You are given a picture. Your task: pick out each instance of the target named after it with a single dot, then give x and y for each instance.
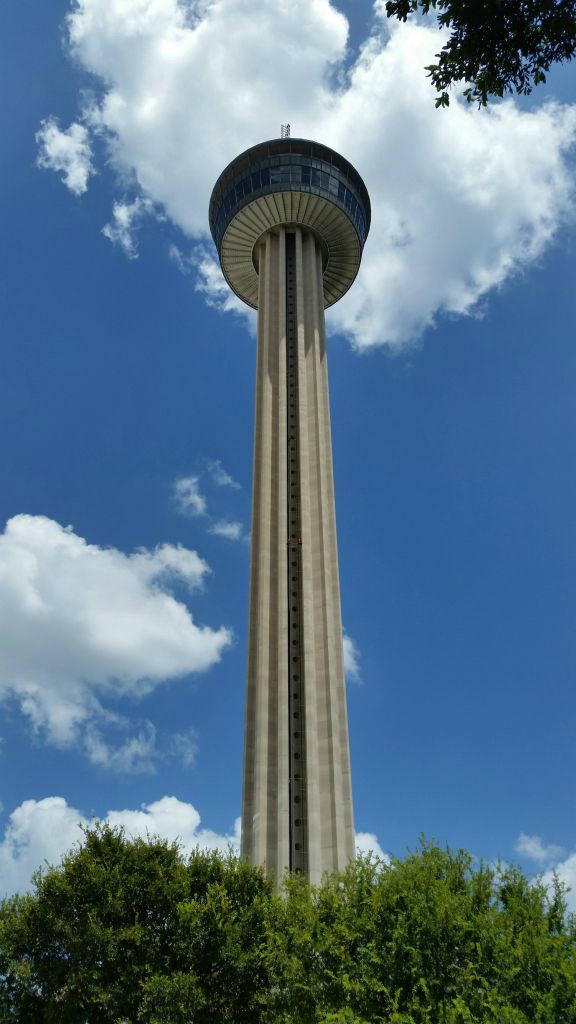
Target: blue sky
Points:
(125, 369)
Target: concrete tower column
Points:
(297, 803)
(289, 218)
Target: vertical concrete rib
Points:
(281, 640)
(333, 843)
(256, 733)
(265, 799)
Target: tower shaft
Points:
(297, 799)
(289, 218)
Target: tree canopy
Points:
(129, 931)
(496, 46)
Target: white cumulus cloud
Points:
(183, 262)
(185, 747)
(351, 659)
(547, 855)
(533, 848)
(189, 498)
(41, 831)
(191, 501)
(126, 218)
(224, 528)
(137, 755)
(367, 842)
(220, 476)
(82, 626)
(566, 871)
(211, 284)
(69, 152)
(461, 199)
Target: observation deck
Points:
(289, 182)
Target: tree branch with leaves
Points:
(495, 46)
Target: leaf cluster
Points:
(129, 931)
(496, 46)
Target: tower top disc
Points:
(289, 182)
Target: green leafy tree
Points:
(431, 939)
(129, 931)
(496, 46)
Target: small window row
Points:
(303, 175)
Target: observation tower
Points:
(289, 218)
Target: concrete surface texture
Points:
(297, 799)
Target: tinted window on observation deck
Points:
(307, 177)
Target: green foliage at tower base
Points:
(129, 931)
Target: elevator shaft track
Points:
(297, 745)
